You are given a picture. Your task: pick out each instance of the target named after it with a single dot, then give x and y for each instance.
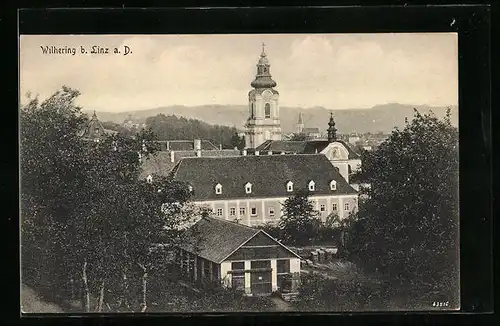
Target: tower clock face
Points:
(267, 95)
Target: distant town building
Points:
(94, 130)
(263, 122)
(240, 257)
(251, 189)
(310, 133)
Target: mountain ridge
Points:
(379, 118)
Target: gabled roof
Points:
(314, 146)
(160, 163)
(268, 175)
(94, 129)
(216, 239)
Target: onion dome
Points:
(332, 131)
(263, 78)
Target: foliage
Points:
(86, 213)
(179, 128)
(318, 292)
(120, 129)
(408, 226)
(237, 141)
(299, 221)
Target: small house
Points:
(239, 256)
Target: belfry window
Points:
(267, 110)
(252, 110)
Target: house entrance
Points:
(261, 277)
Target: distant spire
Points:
(300, 118)
(94, 116)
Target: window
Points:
(242, 211)
(283, 266)
(252, 114)
(149, 179)
(267, 110)
(333, 185)
(219, 211)
(232, 211)
(311, 185)
(322, 208)
(271, 211)
(334, 207)
(346, 206)
(254, 211)
(248, 188)
(289, 186)
(218, 189)
(238, 275)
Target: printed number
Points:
(440, 303)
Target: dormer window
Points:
(218, 189)
(190, 188)
(149, 178)
(333, 185)
(289, 186)
(311, 185)
(248, 188)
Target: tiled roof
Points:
(160, 163)
(268, 175)
(287, 146)
(184, 145)
(302, 147)
(215, 239)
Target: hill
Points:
(380, 118)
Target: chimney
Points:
(270, 153)
(198, 153)
(235, 148)
(172, 156)
(244, 152)
(197, 144)
(256, 153)
(282, 153)
(168, 145)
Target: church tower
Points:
(332, 131)
(263, 121)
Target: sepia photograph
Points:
(202, 173)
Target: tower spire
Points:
(263, 54)
(332, 131)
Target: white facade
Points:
(263, 122)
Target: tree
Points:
(299, 222)
(86, 213)
(408, 227)
(237, 141)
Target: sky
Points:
(335, 71)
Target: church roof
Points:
(268, 175)
(303, 147)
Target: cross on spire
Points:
(263, 48)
